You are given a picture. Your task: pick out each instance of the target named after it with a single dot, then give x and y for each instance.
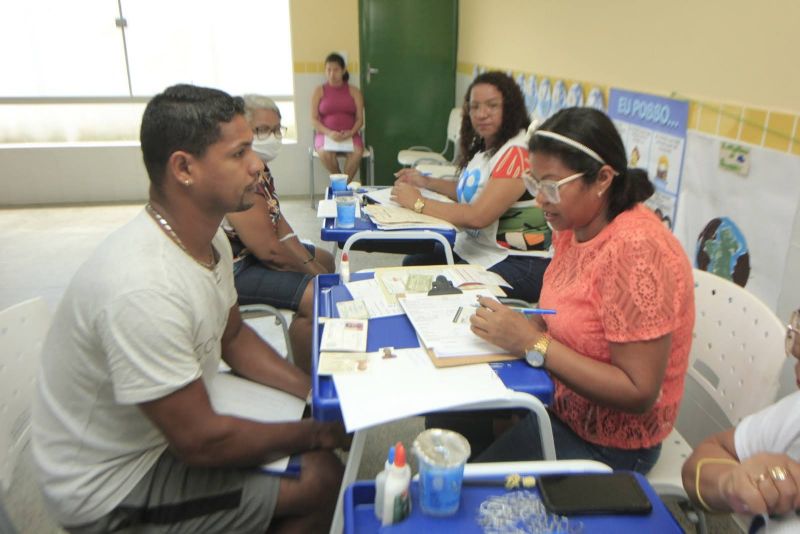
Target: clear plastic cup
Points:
(345, 211)
(441, 455)
(339, 182)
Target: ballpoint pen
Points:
(535, 311)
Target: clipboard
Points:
(454, 361)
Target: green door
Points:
(408, 75)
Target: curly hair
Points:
(515, 117)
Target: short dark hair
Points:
(183, 117)
(593, 129)
(333, 57)
(515, 116)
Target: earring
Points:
(187, 183)
(600, 193)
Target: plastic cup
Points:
(339, 182)
(441, 455)
(345, 211)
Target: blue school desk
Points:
(386, 239)
(360, 517)
(397, 332)
(532, 388)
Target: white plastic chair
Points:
(736, 358)
(22, 331)
(414, 155)
(368, 155)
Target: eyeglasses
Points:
(262, 132)
(792, 331)
(492, 107)
(548, 188)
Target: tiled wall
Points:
(766, 128)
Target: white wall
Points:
(114, 172)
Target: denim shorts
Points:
(257, 284)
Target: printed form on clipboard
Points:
(442, 325)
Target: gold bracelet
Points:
(700, 464)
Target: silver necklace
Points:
(165, 226)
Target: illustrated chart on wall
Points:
(736, 220)
(653, 129)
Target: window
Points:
(99, 61)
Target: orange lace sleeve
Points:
(639, 285)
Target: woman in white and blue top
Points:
(500, 225)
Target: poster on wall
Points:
(738, 225)
(653, 129)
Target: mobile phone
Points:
(593, 493)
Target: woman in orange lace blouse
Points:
(618, 346)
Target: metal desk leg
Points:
(350, 474)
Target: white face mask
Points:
(267, 149)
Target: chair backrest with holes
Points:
(22, 331)
(738, 347)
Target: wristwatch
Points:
(419, 204)
(536, 355)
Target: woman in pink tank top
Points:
(337, 112)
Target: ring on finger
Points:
(778, 473)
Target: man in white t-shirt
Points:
(754, 469)
(124, 435)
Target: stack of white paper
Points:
(442, 323)
(397, 218)
(410, 384)
(231, 395)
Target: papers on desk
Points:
(377, 301)
(442, 324)
(397, 218)
(231, 395)
(344, 335)
(331, 145)
(383, 196)
(409, 385)
(326, 209)
(377, 297)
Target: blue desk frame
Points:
(330, 232)
(396, 332)
(360, 517)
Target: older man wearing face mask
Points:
(271, 265)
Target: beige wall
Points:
(736, 51)
(322, 26)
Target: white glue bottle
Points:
(380, 483)
(344, 268)
(396, 499)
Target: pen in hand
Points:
(535, 311)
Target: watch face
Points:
(534, 358)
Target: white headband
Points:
(574, 144)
